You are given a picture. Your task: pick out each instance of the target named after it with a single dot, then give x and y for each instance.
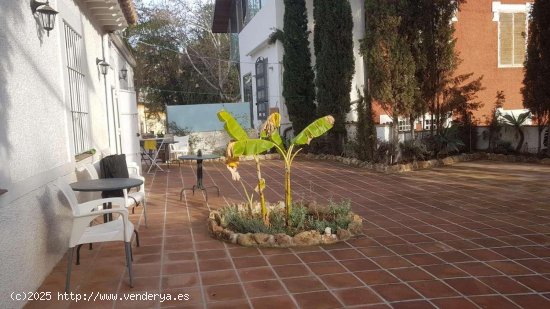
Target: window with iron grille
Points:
(77, 96)
(262, 101)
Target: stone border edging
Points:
(262, 240)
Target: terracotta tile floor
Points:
(474, 235)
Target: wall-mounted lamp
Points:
(46, 14)
(123, 73)
(103, 66)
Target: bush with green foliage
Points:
(386, 152)
(413, 150)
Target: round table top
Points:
(203, 157)
(105, 184)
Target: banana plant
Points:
(270, 138)
(517, 122)
(237, 133)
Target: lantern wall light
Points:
(45, 13)
(102, 65)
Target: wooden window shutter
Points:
(506, 39)
(520, 36)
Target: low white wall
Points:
(507, 134)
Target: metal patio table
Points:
(199, 185)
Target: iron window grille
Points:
(262, 101)
(77, 91)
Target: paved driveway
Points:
(474, 235)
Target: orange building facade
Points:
(491, 41)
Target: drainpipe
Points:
(106, 93)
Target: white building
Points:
(56, 105)
(261, 64)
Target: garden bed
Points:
(309, 225)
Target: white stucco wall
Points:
(508, 134)
(253, 44)
(36, 138)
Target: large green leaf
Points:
(313, 130)
(276, 138)
(512, 120)
(232, 126)
(250, 147)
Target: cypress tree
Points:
(365, 135)
(436, 56)
(390, 62)
(298, 88)
(536, 83)
(334, 64)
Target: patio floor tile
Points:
(318, 300)
(357, 296)
(264, 288)
(411, 274)
(255, 274)
(396, 292)
(275, 302)
(467, 236)
(469, 286)
(433, 289)
(454, 303)
(493, 302)
(339, 281)
(303, 284)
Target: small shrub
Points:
(503, 147)
(341, 213)
(413, 150)
(385, 151)
(298, 217)
(338, 216)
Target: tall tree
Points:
(179, 59)
(365, 134)
(536, 83)
(390, 62)
(334, 64)
(298, 87)
(435, 51)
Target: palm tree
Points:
(516, 123)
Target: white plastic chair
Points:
(180, 148)
(132, 198)
(82, 233)
(135, 198)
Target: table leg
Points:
(107, 217)
(199, 185)
(199, 174)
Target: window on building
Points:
(252, 8)
(247, 88)
(262, 100)
(428, 124)
(77, 97)
(512, 39)
(404, 125)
